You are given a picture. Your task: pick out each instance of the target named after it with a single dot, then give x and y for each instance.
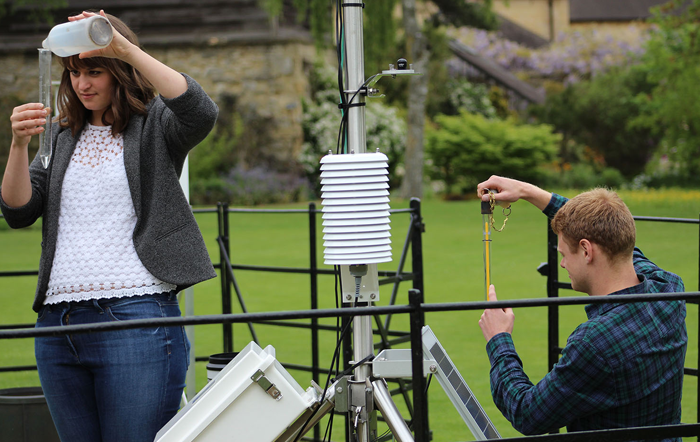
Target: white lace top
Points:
(95, 255)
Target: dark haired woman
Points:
(119, 238)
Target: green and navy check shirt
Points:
(621, 368)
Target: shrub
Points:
(385, 130)
(469, 97)
(583, 176)
(252, 187)
(466, 149)
(215, 154)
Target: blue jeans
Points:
(120, 386)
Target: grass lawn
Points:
(453, 269)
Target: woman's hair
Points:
(131, 93)
(601, 217)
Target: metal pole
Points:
(420, 403)
(417, 245)
(190, 378)
(347, 358)
(391, 414)
(313, 265)
(362, 325)
(222, 212)
(355, 70)
(552, 292)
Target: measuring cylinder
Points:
(45, 99)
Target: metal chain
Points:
(492, 203)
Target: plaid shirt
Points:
(621, 368)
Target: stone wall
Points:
(263, 84)
(535, 15)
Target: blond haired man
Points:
(621, 368)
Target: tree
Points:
(672, 61)
(418, 50)
(599, 113)
(455, 12)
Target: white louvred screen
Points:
(355, 199)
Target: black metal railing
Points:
(230, 286)
(416, 309)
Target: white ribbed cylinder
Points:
(355, 203)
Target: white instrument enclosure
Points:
(232, 405)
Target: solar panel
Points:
(457, 389)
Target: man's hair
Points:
(601, 217)
(131, 94)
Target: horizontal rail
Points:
(392, 276)
(576, 300)
(241, 210)
(638, 218)
(617, 434)
(18, 368)
(20, 273)
(343, 312)
(667, 220)
(400, 334)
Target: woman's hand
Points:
(28, 120)
(119, 48)
(168, 82)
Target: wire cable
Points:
(340, 336)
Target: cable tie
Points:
(349, 370)
(354, 5)
(346, 106)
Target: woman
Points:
(119, 238)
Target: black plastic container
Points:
(217, 363)
(25, 417)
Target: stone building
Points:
(253, 68)
(547, 18)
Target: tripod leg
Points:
(393, 418)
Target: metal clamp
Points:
(270, 388)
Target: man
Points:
(621, 368)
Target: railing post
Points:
(222, 215)
(417, 245)
(552, 292)
(313, 273)
(420, 398)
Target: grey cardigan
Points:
(166, 237)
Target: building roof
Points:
(162, 22)
(514, 32)
(611, 10)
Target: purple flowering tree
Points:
(572, 57)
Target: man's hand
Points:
(510, 190)
(496, 320)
